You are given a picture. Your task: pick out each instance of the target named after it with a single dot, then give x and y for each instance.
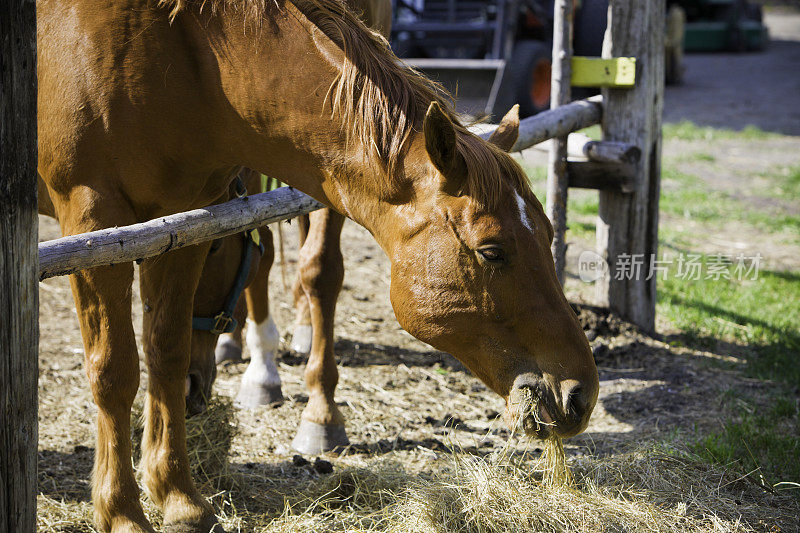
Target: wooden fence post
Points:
(627, 229)
(19, 297)
(560, 94)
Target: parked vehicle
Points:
(495, 53)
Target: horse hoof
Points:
(205, 525)
(227, 350)
(301, 339)
(255, 394)
(314, 439)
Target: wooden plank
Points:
(612, 152)
(628, 223)
(557, 179)
(617, 72)
(613, 176)
(154, 237)
(19, 291)
(554, 123)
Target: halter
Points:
(224, 322)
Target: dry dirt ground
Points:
(404, 402)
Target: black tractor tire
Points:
(590, 28)
(529, 73)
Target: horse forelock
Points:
(490, 170)
(381, 101)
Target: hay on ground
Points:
(208, 440)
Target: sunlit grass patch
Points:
(689, 131)
(688, 197)
(761, 313)
(786, 181)
(581, 230)
(766, 446)
(593, 132)
(685, 196)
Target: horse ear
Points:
(440, 142)
(506, 134)
(440, 139)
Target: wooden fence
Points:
(19, 291)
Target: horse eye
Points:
(493, 254)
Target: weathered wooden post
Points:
(19, 300)
(560, 94)
(627, 229)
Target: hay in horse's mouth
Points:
(529, 413)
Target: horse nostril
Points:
(573, 400)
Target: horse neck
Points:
(277, 81)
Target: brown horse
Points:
(148, 108)
(321, 256)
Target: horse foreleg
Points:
(168, 283)
(301, 337)
(321, 274)
(261, 384)
(103, 299)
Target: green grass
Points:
(703, 156)
(786, 182)
(689, 131)
(766, 446)
(694, 157)
(685, 196)
(688, 197)
(582, 230)
(763, 314)
(593, 132)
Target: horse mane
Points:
(381, 101)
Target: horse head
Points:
(473, 275)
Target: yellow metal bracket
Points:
(255, 236)
(619, 72)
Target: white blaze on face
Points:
(263, 341)
(523, 213)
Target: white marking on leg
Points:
(523, 213)
(227, 349)
(227, 338)
(301, 339)
(262, 343)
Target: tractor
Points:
(494, 53)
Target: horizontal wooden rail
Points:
(556, 122)
(154, 237)
(612, 152)
(601, 176)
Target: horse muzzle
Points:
(540, 408)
